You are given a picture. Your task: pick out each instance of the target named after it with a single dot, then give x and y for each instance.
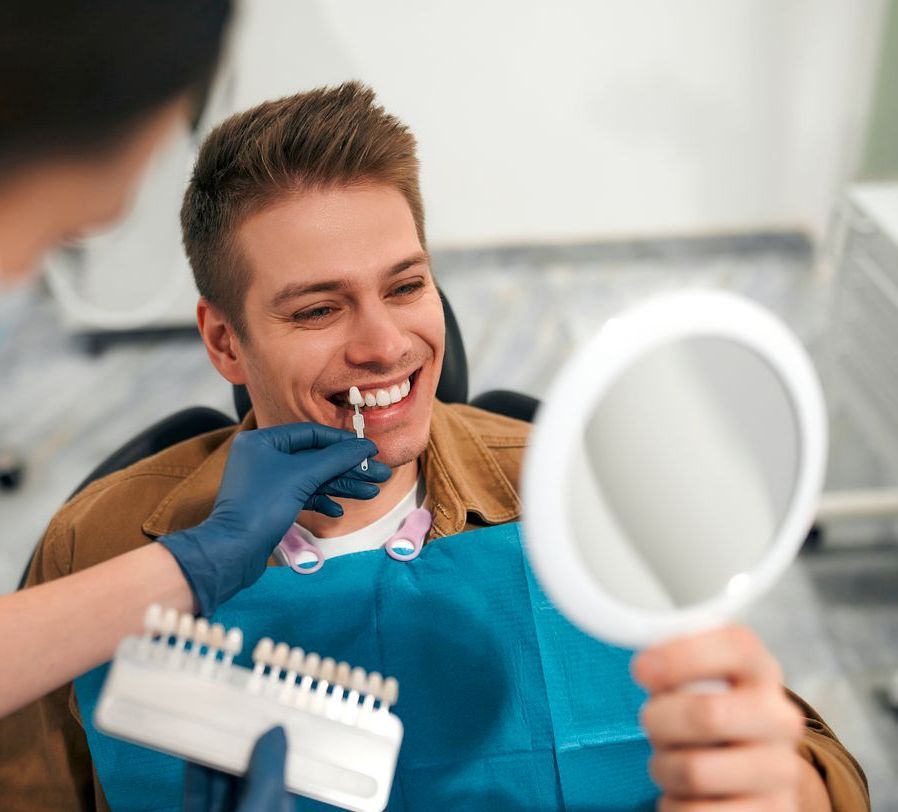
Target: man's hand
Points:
(730, 750)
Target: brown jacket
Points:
(471, 469)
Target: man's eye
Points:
(315, 314)
(409, 287)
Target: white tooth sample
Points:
(355, 397)
(395, 396)
(370, 399)
(405, 387)
(383, 397)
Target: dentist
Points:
(88, 91)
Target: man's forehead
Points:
(330, 239)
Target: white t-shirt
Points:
(375, 534)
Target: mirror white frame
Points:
(560, 425)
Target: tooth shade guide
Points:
(214, 719)
(358, 423)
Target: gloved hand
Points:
(260, 790)
(271, 475)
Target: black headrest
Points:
(453, 385)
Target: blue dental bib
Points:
(505, 704)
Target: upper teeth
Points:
(379, 397)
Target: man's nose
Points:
(377, 339)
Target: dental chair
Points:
(187, 423)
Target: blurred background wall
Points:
(583, 120)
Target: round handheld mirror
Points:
(674, 468)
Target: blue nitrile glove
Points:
(260, 790)
(271, 475)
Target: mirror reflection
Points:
(706, 428)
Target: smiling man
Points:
(341, 296)
(305, 229)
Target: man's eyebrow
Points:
(292, 291)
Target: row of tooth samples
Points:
(177, 630)
(317, 683)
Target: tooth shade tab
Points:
(200, 632)
(185, 626)
(234, 642)
(263, 651)
(280, 655)
(355, 397)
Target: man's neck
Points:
(359, 513)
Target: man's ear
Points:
(221, 342)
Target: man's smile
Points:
(393, 401)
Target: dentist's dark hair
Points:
(76, 76)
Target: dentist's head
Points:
(88, 90)
(304, 226)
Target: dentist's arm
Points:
(55, 631)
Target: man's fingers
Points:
(745, 714)
(693, 773)
(732, 652)
(780, 802)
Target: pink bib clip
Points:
(412, 534)
(292, 544)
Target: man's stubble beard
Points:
(404, 452)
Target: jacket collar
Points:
(461, 472)
(190, 501)
(463, 476)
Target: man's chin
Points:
(395, 455)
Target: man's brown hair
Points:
(316, 140)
